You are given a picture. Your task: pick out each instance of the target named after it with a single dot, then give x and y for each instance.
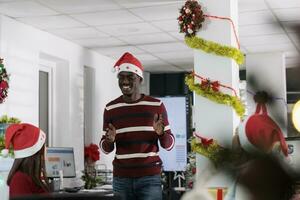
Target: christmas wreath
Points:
(190, 21)
(4, 79)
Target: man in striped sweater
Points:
(134, 123)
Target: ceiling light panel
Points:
(161, 12)
(258, 17)
(188, 54)
(251, 5)
(119, 50)
(291, 14)
(295, 38)
(80, 6)
(25, 9)
(265, 39)
(128, 29)
(147, 39)
(184, 64)
(164, 47)
(99, 42)
(283, 4)
(177, 35)
(146, 57)
(107, 18)
(162, 69)
(146, 3)
(167, 25)
(295, 61)
(271, 48)
(78, 33)
(291, 27)
(52, 22)
(262, 29)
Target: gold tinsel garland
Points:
(217, 97)
(212, 47)
(214, 151)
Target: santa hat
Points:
(26, 140)
(260, 132)
(128, 63)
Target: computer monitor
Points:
(60, 159)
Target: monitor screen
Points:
(176, 159)
(60, 159)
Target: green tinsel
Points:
(215, 48)
(217, 97)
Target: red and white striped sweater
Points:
(136, 141)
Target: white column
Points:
(212, 120)
(267, 70)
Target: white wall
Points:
(23, 47)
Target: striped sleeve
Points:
(104, 145)
(166, 140)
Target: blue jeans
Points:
(142, 188)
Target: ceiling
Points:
(149, 30)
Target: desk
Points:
(81, 195)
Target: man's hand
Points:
(158, 124)
(110, 133)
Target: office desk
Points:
(81, 195)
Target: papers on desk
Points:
(105, 187)
(92, 190)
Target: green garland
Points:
(217, 97)
(213, 47)
(214, 151)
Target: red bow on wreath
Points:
(214, 85)
(92, 152)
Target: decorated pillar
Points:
(215, 81)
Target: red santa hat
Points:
(128, 63)
(26, 140)
(260, 132)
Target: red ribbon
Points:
(205, 141)
(226, 18)
(215, 85)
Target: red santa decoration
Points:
(260, 131)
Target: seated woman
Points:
(27, 175)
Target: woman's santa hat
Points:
(26, 140)
(128, 63)
(260, 131)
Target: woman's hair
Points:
(33, 166)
